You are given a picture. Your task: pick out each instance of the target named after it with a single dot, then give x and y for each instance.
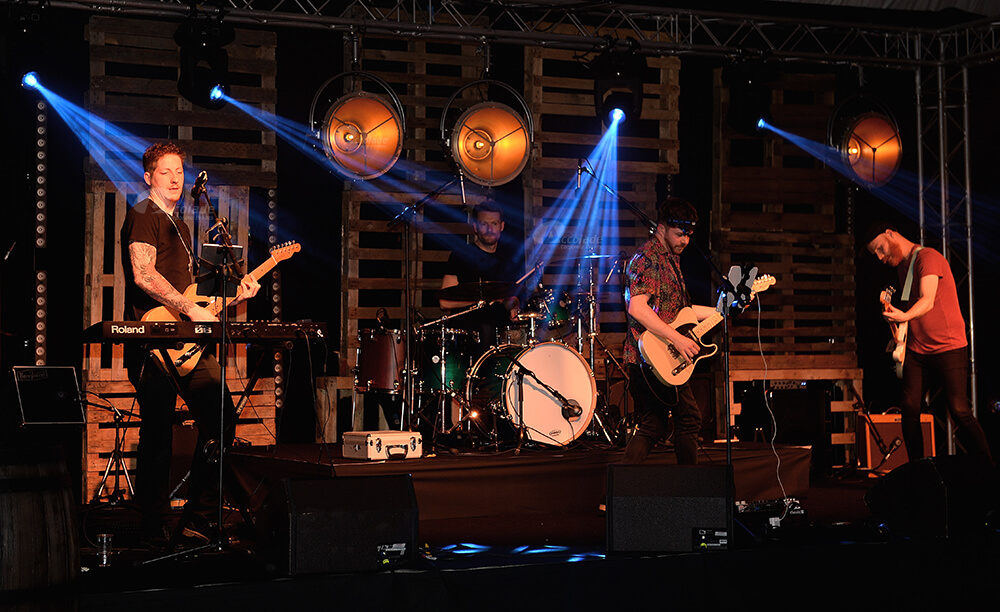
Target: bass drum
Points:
(492, 384)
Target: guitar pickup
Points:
(680, 368)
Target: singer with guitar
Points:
(936, 345)
(158, 260)
(654, 295)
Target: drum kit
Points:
(528, 384)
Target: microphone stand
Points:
(570, 408)
(405, 217)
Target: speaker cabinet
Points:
(934, 497)
(340, 524)
(889, 427)
(668, 508)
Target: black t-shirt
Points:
(472, 264)
(169, 235)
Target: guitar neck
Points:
(706, 326)
(217, 305)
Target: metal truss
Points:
(589, 25)
(945, 190)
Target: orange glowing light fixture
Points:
(867, 136)
(871, 146)
(362, 133)
(490, 142)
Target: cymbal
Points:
(583, 258)
(482, 290)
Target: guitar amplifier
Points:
(382, 445)
(890, 428)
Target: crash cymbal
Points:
(482, 290)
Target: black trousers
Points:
(949, 369)
(156, 393)
(655, 403)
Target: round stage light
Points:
(363, 135)
(491, 143)
(30, 81)
(872, 149)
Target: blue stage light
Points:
(216, 93)
(30, 81)
(617, 115)
(761, 124)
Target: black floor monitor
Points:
(49, 395)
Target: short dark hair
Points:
(488, 205)
(677, 212)
(153, 154)
(875, 229)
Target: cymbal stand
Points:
(405, 217)
(116, 460)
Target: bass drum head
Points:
(565, 370)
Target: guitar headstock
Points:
(762, 283)
(885, 298)
(286, 250)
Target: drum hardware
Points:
(481, 291)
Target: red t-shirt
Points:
(943, 327)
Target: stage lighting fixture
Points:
(30, 81)
(490, 142)
(204, 63)
(362, 133)
(865, 133)
(618, 77)
(749, 95)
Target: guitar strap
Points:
(908, 285)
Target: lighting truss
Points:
(574, 25)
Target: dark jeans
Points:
(156, 393)
(654, 404)
(950, 369)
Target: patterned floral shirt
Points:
(656, 272)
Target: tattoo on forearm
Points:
(143, 257)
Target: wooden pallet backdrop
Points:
(777, 211)
(133, 84)
(564, 107)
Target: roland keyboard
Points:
(190, 331)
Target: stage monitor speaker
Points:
(668, 508)
(340, 524)
(934, 497)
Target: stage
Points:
(527, 530)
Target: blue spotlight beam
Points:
(902, 193)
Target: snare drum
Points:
(444, 360)
(381, 360)
(492, 384)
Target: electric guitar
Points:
(184, 359)
(897, 345)
(668, 364)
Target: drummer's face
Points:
(489, 226)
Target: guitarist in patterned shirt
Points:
(654, 295)
(936, 345)
(158, 261)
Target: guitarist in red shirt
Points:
(654, 295)
(936, 344)
(158, 261)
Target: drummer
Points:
(487, 258)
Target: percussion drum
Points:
(492, 384)
(444, 358)
(381, 360)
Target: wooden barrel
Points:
(39, 540)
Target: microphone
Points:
(199, 184)
(579, 171)
(461, 182)
(895, 444)
(571, 408)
